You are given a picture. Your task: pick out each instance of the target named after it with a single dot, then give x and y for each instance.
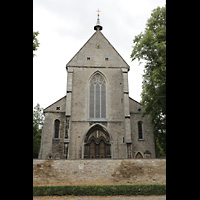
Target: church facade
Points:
(96, 119)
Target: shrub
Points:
(100, 190)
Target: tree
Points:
(38, 121)
(151, 47)
(35, 41)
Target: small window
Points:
(58, 108)
(129, 150)
(56, 127)
(140, 135)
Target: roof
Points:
(59, 103)
(134, 106)
(135, 101)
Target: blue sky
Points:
(66, 25)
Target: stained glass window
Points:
(140, 135)
(91, 100)
(97, 101)
(97, 97)
(103, 101)
(56, 126)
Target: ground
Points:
(88, 183)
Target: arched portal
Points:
(97, 143)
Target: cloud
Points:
(66, 25)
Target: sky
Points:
(64, 26)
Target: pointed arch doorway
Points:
(97, 143)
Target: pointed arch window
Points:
(97, 97)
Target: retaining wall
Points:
(104, 171)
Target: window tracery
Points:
(97, 97)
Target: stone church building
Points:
(96, 119)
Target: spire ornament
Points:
(98, 20)
(98, 25)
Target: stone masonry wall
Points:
(126, 171)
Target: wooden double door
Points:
(97, 144)
(97, 150)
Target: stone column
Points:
(68, 107)
(126, 111)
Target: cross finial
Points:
(98, 12)
(98, 20)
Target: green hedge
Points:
(99, 190)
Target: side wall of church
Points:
(52, 147)
(49, 146)
(147, 143)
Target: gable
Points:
(97, 52)
(53, 107)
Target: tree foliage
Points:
(35, 41)
(38, 121)
(151, 47)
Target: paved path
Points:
(102, 198)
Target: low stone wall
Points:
(105, 171)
